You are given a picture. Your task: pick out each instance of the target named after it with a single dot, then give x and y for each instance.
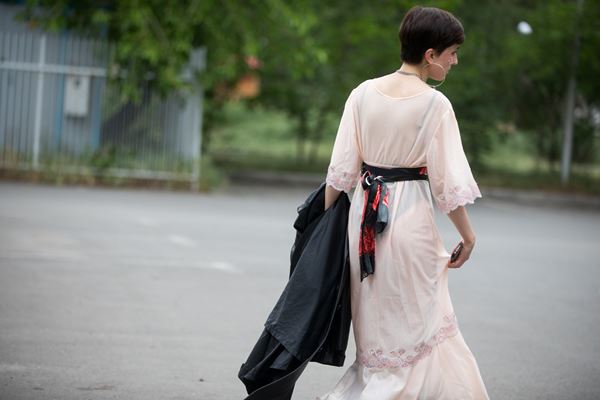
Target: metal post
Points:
(60, 103)
(38, 103)
(197, 62)
(196, 142)
(567, 148)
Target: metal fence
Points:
(60, 112)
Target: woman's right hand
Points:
(464, 255)
(460, 219)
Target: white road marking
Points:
(225, 266)
(146, 221)
(180, 240)
(4, 367)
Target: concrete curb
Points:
(277, 178)
(540, 198)
(531, 197)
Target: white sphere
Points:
(524, 28)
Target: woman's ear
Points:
(429, 55)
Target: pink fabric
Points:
(403, 358)
(409, 345)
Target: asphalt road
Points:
(134, 294)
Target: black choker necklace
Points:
(408, 73)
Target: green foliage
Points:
(153, 39)
(211, 176)
(104, 158)
(260, 138)
(531, 71)
(313, 53)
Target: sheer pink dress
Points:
(408, 342)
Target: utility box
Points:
(77, 95)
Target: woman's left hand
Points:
(464, 255)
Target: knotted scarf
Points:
(375, 211)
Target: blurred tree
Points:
(507, 79)
(477, 85)
(309, 75)
(310, 54)
(153, 39)
(534, 72)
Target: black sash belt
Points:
(375, 211)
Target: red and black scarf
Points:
(375, 211)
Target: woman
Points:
(399, 143)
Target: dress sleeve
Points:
(346, 157)
(452, 183)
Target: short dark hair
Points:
(425, 28)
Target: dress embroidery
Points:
(340, 180)
(403, 358)
(457, 196)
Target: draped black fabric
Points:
(311, 319)
(375, 211)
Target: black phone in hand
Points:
(456, 252)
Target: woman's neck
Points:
(414, 69)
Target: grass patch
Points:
(261, 139)
(512, 164)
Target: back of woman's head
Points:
(425, 28)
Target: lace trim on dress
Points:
(457, 196)
(340, 180)
(403, 358)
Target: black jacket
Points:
(311, 320)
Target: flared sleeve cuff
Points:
(340, 180)
(450, 177)
(456, 196)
